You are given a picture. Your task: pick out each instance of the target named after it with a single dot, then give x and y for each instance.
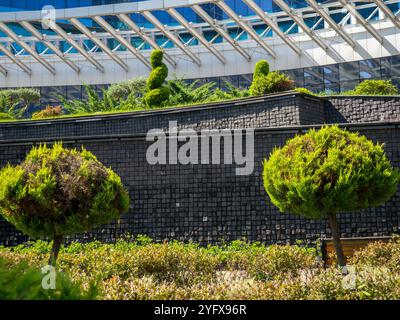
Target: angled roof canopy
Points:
(224, 29)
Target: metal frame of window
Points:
(121, 40)
(249, 29)
(42, 38)
(388, 13)
(81, 27)
(269, 22)
(133, 26)
(56, 28)
(26, 47)
(152, 19)
(247, 24)
(360, 19)
(327, 18)
(300, 22)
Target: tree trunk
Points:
(336, 239)
(55, 249)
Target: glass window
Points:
(331, 74)
(74, 92)
(297, 75)
(245, 80)
(395, 66)
(51, 95)
(370, 69)
(233, 80)
(313, 76)
(332, 88)
(316, 88)
(386, 72)
(349, 71)
(348, 85)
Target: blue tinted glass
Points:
(349, 71)
(370, 69)
(331, 74)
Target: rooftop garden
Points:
(156, 92)
(57, 192)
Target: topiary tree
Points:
(156, 92)
(56, 192)
(265, 82)
(326, 172)
(261, 69)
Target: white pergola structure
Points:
(238, 42)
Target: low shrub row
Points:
(141, 269)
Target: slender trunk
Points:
(54, 250)
(336, 239)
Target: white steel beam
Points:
(272, 24)
(10, 55)
(221, 31)
(79, 25)
(28, 26)
(3, 71)
(388, 13)
(153, 20)
(27, 48)
(360, 19)
(300, 22)
(328, 19)
(133, 26)
(56, 28)
(178, 17)
(122, 40)
(249, 30)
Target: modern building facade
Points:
(59, 45)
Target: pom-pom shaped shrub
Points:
(57, 191)
(271, 83)
(329, 171)
(376, 87)
(156, 92)
(261, 69)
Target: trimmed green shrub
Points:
(140, 269)
(273, 82)
(21, 282)
(261, 69)
(329, 171)
(48, 112)
(376, 87)
(304, 91)
(157, 93)
(57, 192)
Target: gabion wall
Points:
(209, 203)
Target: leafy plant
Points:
(48, 112)
(21, 282)
(272, 83)
(58, 191)
(123, 90)
(157, 93)
(376, 87)
(265, 82)
(329, 171)
(6, 116)
(15, 102)
(304, 91)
